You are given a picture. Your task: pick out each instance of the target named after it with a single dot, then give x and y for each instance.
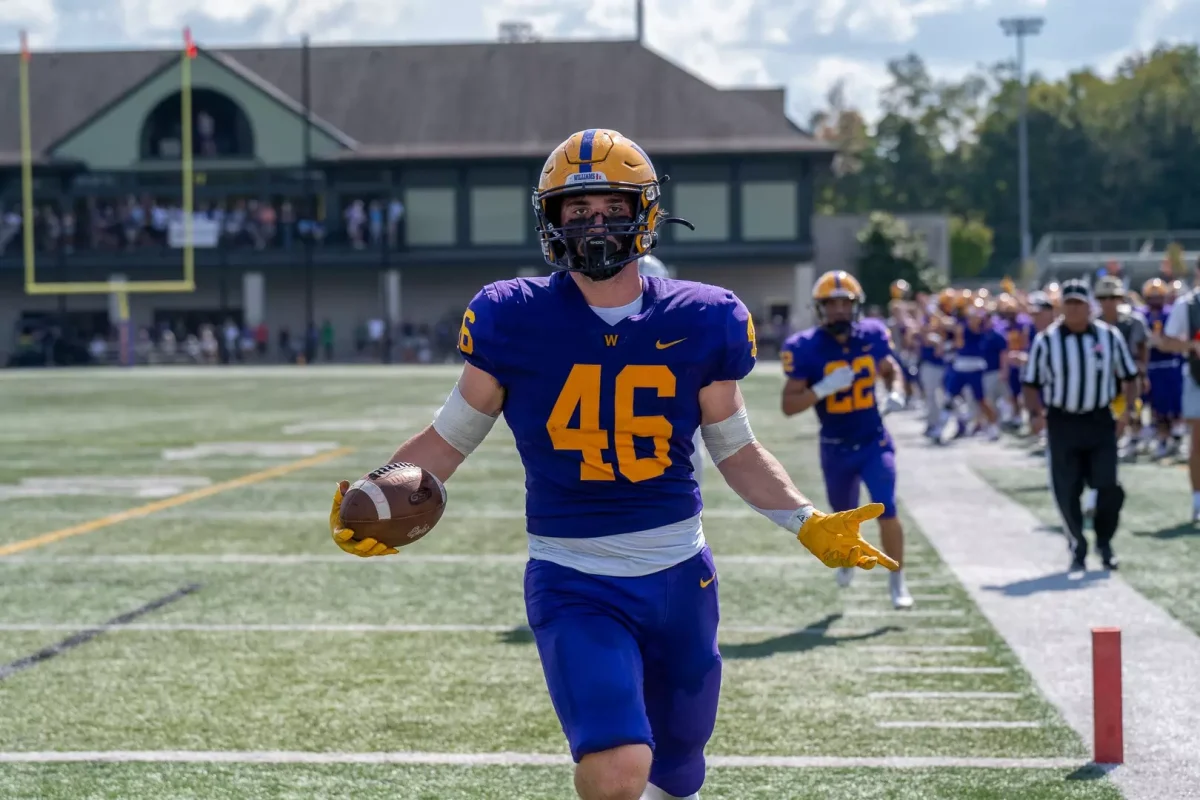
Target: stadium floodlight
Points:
(120, 288)
(1021, 27)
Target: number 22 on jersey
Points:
(861, 393)
(582, 391)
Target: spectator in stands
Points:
(327, 339)
(312, 338)
(360, 339)
(395, 215)
(10, 226)
(232, 336)
(375, 223)
(98, 349)
(287, 223)
(285, 345)
(356, 220)
(261, 339)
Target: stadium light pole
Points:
(1021, 27)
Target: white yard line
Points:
(900, 670)
(945, 695)
(348, 628)
(1015, 574)
(917, 596)
(914, 614)
(964, 725)
(921, 648)
(511, 759)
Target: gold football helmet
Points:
(1155, 291)
(598, 161)
(833, 285)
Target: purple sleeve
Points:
(739, 351)
(478, 338)
(881, 341)
(791, 358)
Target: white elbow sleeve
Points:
(726, 437)
(463, 427)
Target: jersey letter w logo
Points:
(610, 339)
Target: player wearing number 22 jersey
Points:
(604, 376)
(833, 368)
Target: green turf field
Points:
(238, 626)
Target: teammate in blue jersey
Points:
(934, 341)
(833, 368)
(1164, 371)
(604, 376)
(1018, 330)
(977, 346)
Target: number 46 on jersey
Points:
(582, 391)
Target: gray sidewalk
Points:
(1016, 574)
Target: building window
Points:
(705, 205)
(499, 215)
(769, 211)
(429, 216)
(220, 128)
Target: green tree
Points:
(890, 250)
(1118, 151)
(970, 247)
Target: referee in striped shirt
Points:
(1074, 370)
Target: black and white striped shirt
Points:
(1079, 372)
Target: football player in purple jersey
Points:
(604, 376)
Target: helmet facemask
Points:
(838, 327)
(599, 250)
(596, 246)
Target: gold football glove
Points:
(835, 540)
(344, 537)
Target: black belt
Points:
(1058, 413)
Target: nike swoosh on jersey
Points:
(705, 583)
(661, 346)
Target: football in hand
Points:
(396, 504)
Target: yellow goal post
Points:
(122, 289)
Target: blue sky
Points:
(805, 45)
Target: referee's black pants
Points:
(1082, 449)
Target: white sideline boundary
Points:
(509, 759)
(1016, 576)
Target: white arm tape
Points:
(463, 427)
(788, 520)
(726, 437)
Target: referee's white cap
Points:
(1077, 290)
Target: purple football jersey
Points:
(605, 416)
(851, 415)
(1156, 320)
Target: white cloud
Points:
(37, 17)
(862, 81)
(1151, 24)
(803, 44)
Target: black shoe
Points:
(1078, 564)
(1108, 558)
